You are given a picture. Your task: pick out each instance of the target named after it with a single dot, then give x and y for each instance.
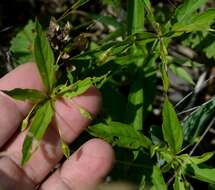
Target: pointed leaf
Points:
(157, 179)
(39, 124)
(22, 45)
(32, 95)
(182, 73)
(80, 86)
(186, 10)
(202, 173)
(65, 149)
(203, 158)
(172, 130)
(85, 113)
(135, 105)
(179, 184)
(135, 17)
(44, 58)
(195, 123)
(200, 22)
(120, 134)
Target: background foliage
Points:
(154, 64)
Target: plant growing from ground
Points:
(134, 62)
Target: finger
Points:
(85, 169)
(12, 112)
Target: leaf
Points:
(182, 73)
(81, 86)
(65, 148)
(203, 158)
(200, 22)
(107, 20)
(44, 58)
(179, 183)
(85, 113)
(202, 173)
(135, 16)
(39, 124)
(185, 11)
(22, 45)
(195, 123)
(26, 121)
(171, 128)
(157, 179)
(141, 96)
(135, 105)
(120, 134)
(79, 3)
(32, 95)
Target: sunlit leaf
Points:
(39, 124)
(65, 148)
(202, 173)
(157, 179)
(120, 134)
(135, 16)
(32, 95)
(186, 10)
(203, 158)
(179, 183)
(81, 86)
(44, 58)
(200, 22)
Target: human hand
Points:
(82, 171)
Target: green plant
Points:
(134, 63)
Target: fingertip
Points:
(85, 169)
(89, 164)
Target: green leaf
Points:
(79, 3)
(203, 158)
(179, 183)
(65, 148)
(26, 121)
(22, 45)
(201, 173)
(157, 179)
(32, 95)
(135, 101)
(44, 58)
(135, 16)
(171, 128)
(107, 20)
(201, 22)
(85, 113)
(120, 134)
(39, 124)
(185, 11)
(80, 86)
(141, 96)
(182, 73)
(195, 123)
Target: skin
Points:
(85, 168)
